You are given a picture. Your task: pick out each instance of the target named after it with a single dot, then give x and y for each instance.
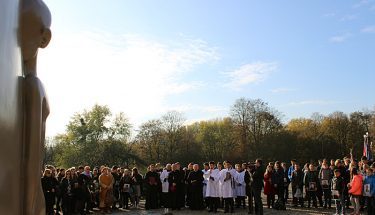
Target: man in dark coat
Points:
(180, 187)
(278, 181)
(152, 183)
(248, 181)
(174, 178)
(195, 182)
(186, 184)
(257, 186)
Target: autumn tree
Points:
(172, 124)
(254, 120)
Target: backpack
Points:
(279, 205)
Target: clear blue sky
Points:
(147, 57)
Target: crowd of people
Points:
(340, 183)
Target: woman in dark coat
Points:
(66, 193)
(49, 190)
(126, 184)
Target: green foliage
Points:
(93, 138)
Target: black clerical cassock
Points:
(195, 180)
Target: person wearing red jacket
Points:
(355, 189)
(269, 190)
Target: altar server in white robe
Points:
(212, 191)
(220, 167)
(240, 188)
(206, 167)
(228, 178)
(165, 185)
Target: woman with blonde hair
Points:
(106, 190)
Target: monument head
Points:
(35, 30)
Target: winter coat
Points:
(338, 184)
(297, 179)
(311, 177)
(268, 186)
(356, 185)
(370, 181)
(258, 177)
(325, 176)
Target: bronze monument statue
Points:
(24, 27)
(35, 33)
(11, 191)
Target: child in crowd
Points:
(337, 188)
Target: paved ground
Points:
(289, 211)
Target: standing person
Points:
(106, 182)
(152, 182)
(311, 183)
(290, 172)
(297, 185)
(165, 185)
(278, 181)
(186, 184)
(220, 167)
(227, 178)
(212, 192)
(257, 186)
(345, 173)
(137, 186)
(325, 177)
(66, 193)
(337, 188)
(248, 180)
(126, 184)
(95, 187)
(83, 192)
(49, 190)
(286, 182)
(291, 168)
(60, 175)
(269, 189)
(173, 180)
(319, 192)
(206, 167)
(195, 180)
(240, 188)
(116, 186)
(74, 188)
(355, 189)
(180, 186)
(369, 191)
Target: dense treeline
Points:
(252, 130)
